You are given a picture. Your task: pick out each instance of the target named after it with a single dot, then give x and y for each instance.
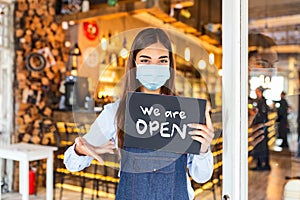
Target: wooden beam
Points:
(101, 11)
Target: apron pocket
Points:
(157, 164)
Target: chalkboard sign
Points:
(160, 122)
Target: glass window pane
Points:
(274, 59)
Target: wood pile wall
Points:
(37, 92)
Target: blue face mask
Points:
(152, 76)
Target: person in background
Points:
(283, 126)
(261, 150)
(260, 56)
(150, 69)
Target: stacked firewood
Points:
(37, 92)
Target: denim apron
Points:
(152, 175)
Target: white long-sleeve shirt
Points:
(104, 128)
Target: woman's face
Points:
(154, 54)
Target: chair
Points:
(67, 133)
(100, 176)
(48, 136)
(106, 175)
(216, 179)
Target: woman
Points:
(150, 69)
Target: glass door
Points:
(273, 60)
(261, 76)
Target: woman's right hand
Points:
(255, 132)
(82, 147)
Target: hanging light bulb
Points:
(124, 52)
(67, 43)
(75, 53)
(71, 23)
(211, 58)
(187, 54)
(76, 50)
(104, 43)
(65, 25)
(201, 64)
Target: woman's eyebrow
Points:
(144, 56)
(163, 57)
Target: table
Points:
(24, 153)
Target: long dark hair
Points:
(144, 38)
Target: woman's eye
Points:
(164, 61)
(144, 61)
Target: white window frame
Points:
(6, 92)
(5, 24)
(6, 75)
(234, 99)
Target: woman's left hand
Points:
(203, 133)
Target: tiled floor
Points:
(67, 195)
(262, 185)
(270, 185)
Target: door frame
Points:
(235, 98)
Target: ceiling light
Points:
(187, 54)
(211, 58)
(201, 64)
(103, 43)
(178, 6)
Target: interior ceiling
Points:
(259, 9)
(281, 15)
